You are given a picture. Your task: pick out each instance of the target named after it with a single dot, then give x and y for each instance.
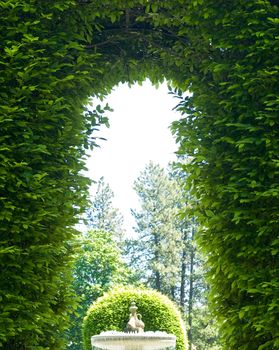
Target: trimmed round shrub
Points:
(111, 312)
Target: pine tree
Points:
(103, 215)
(156, 250)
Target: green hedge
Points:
(111, 312)
(230, 131)
(56, 53)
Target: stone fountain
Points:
(134, 337)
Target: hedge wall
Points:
(44, 85)
(111, 312)
(230, 130)
(56, 53)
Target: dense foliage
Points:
(230, 130)
(111, 312)
(98, 266)
(56, 53)
(43, 140)
(203, 331)
(46, 76)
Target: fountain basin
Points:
(133, 341)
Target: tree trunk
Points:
(191, 287)
(183, 272)
(157, 281)
(172, 292)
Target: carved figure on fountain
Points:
(135, 324)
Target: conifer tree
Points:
(156, 250)
(102, 215)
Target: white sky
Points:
(139, 132)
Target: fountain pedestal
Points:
(133, 341)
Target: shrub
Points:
(111, 312)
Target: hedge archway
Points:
(56, 54)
